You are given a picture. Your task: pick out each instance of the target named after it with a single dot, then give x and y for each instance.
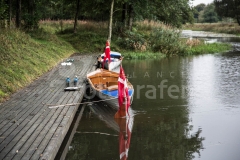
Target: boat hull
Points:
(104, 85)
(111, 101)
(116, 61)
(115, 64)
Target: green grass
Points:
(24, 58)
(208, 48)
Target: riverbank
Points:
(148, 39)
(229, 28)
(27, 55)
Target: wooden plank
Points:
(33, 100)
(38, 154)
(50, 134)
(31, 126)
(19, 112)
(23, 132)
(25, 113)
(43, 79)
(52, 144)
(29, 136)
(23, 92)
(17, 107)
(14, 98)
(71, 132)
(39, 131)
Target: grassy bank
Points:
(24, 57)
(207, 48)
(230, 28)
(148, 39)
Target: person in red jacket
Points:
(107, 53)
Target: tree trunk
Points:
(18, 14)
(124, 15)
(9, 13)
(76, 17)
(31, 8)
(110, 21)
(130, 20)
(31, 24)
(238, 20)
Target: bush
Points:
(132, 41)
(166, 41)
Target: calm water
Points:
(185, 108)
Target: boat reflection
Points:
(122, 125)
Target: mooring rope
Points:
(99, 133)
(73, 104)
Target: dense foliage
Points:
(205, 13)
(228, 8)
(28, 13)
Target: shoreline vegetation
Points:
(229, 28)
(26, 55)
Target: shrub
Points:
(166, 41)
(132, 41)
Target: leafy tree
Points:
(125, 12)
(209, 14)
(3, 10)
(169, 11)
(200, 7)
(228, 8)
(197, 9)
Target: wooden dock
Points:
(29, 129)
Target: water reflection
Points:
(164, 137)
(163, 127)
(122, 125)
(202, 124)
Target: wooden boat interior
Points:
(106, 80)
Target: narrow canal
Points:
(185, 108)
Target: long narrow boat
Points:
(104, 84)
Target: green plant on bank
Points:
(167, 42)
(146, 37)
(157, 38)
(207, 48)
(142, 55)
(24, 58)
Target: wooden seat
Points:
(113, 87)
(100, 86)
(111, 83)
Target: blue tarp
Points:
(114, 93)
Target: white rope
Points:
(73, 104)
(99, 133)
